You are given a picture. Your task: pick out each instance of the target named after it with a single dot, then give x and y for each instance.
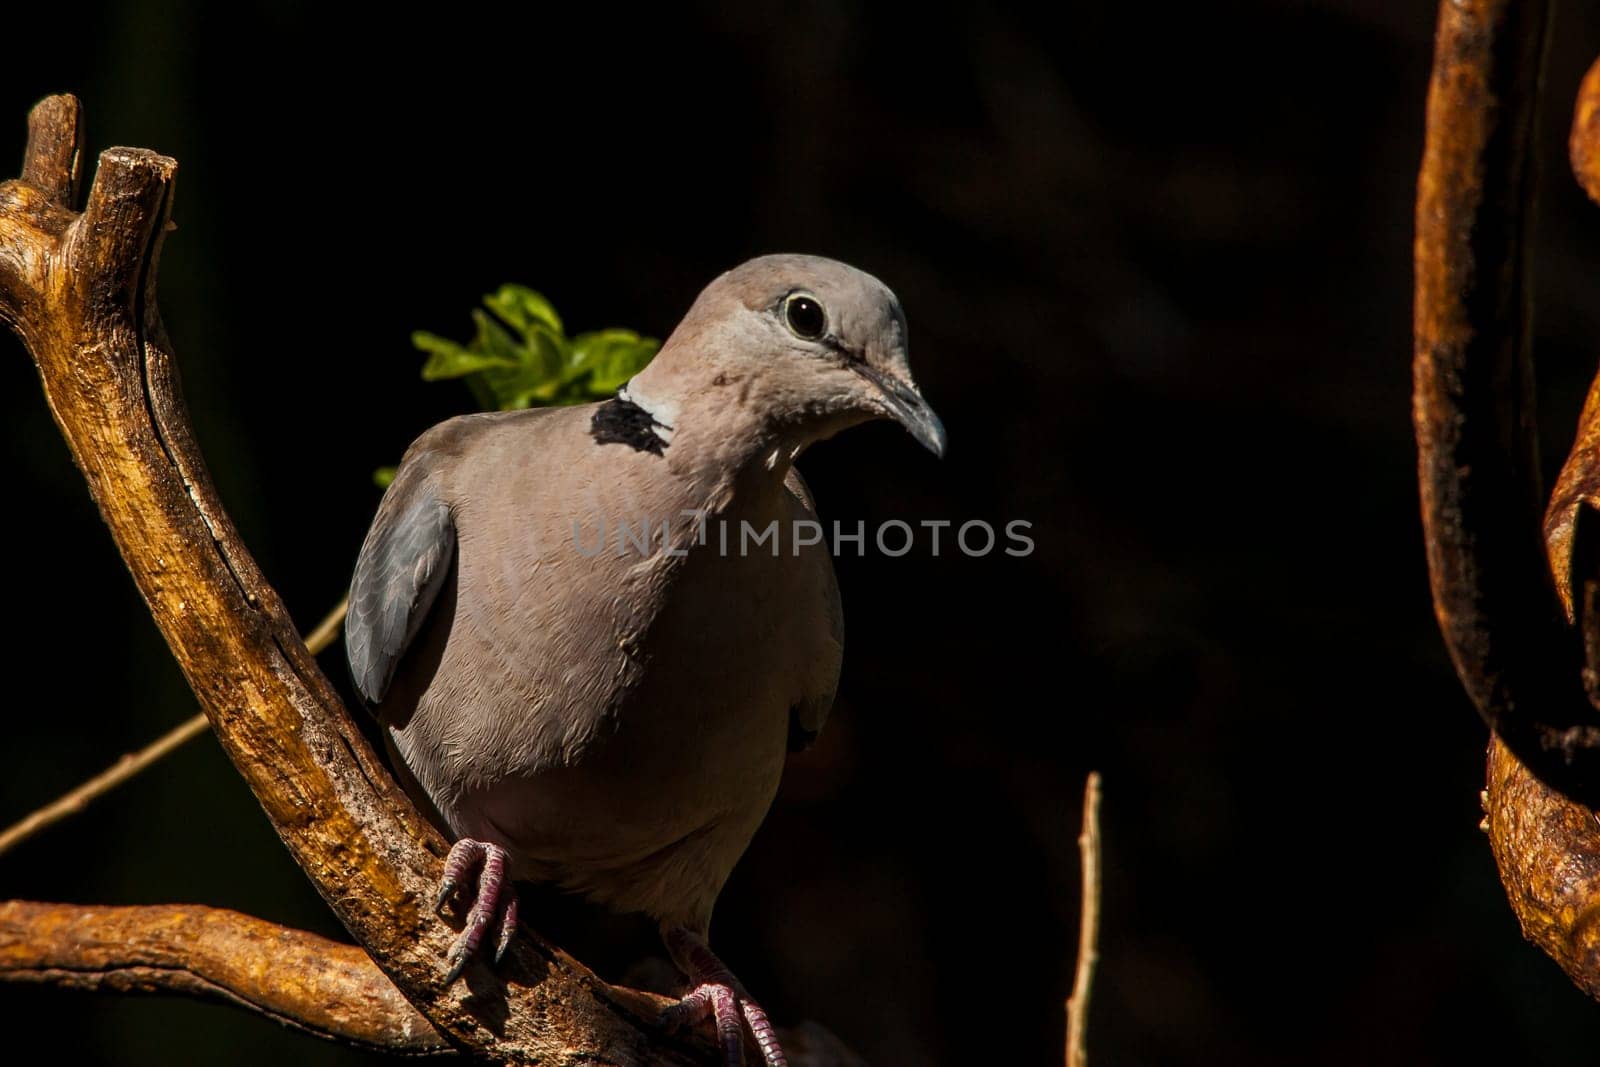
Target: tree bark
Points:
(1498, 594)
(1473, 395)
(299, 979)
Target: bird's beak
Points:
(908, 408)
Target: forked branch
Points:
(80, 291)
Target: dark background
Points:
(1156, 261)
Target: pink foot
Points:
(494, 902)
(717, 993)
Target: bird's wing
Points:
(402, 566)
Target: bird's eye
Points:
(805, 316)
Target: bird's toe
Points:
(494, 901)
(733, 1012)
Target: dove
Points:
(592, 634)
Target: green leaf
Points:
(608, 358)
(383, 476)
(551, 352)
(492, 340)
(535, 377)
(524, 308)
(520, 356)
(446, 359)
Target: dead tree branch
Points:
(1473, 395)
(79, 289)
(1546, 846)
(1535, 678)
(1548, 852)
(1583, 143)
(299, 979)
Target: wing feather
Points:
(401, 568)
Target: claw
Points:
(718, 994)
(457, 959)
(494, 903)
(508, 927)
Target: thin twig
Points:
(134, 762)
(1088, 926)
(327, 629)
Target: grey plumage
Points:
(403, 563)
(538, 676)
(617, 720)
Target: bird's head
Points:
(808, 345)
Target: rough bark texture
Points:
(1473, 395)
(1548, 851)
(1577, 490)
(80, 291)
(1571, 526)
(1498, 603)
(1546, 845)
(299, 979)
(1584, 143)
